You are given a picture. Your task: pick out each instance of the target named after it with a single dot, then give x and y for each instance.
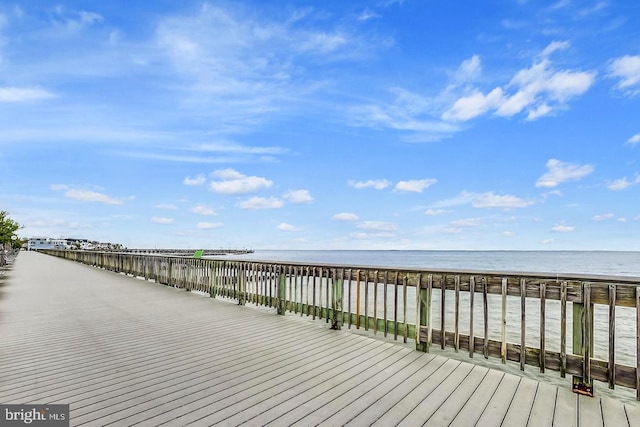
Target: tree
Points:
(8, 227)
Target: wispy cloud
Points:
(233, 182)
(634, 140)
(559, 172)
(209, 225)
(414, 185)
(298, 197)
(345, 216)
(86, 195)
(377, 184)
(261, 203)
(537, 90)
(377, 225)
(203, 210)
(603, 217)
(491, 200)
(16, 94)
(197, 180)
(627, 70)
(287, 227)
(562, 228)
(623, 183)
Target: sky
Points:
(379, 124)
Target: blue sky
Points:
(323, 125)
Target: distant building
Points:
(36, 243)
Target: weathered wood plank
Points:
(478, 401)
(445, 412)
(543, 408)
(589, 412)
(498, 405)
(613, 413)
(522, 403)
(565, 414)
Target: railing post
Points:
(583, 341)
(242, 283)
(336, 298)
(424, 313)
(282, 291)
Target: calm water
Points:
(577, 262)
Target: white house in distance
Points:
(36, 243)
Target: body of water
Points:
(574, 262)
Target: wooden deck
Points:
(123, 351)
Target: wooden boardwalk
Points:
(123, 351)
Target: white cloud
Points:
(559, 172)
(236, 183)
(414, 185)
(474, 105)
(286, 227)
(209, 225)
(603, 217)
(345, 216)
(490, 200)
(15, 94)
(163, 221)
(377, 184)
(86, 195)
(261, 203)
(434, 212)
(198, 180)
(627, 70)
(561, 228)
(538, 90)
(203, 210)
(298, 196)
(508, 233)
(377, 225)
(635, 139)
(620, 184)
(463, 198)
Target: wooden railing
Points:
(519, 317)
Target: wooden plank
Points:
(395, 305)
(542, 411)
(375, 303)
(633, 414)
(456, 340)
(543, 327)
(425, 389)
(383, 397)
(498, 405)
(485, 310)
(472, 289)
(385, 303)
(522, 403)
(638, 343)
(443, 311)
(503, 326)
(523, 329)
(357, 299)
(478, 401)
(565, 414)
(404, 308)
(430, 314)
(444, 413)
(611, 371)
(589, 412)
(366, 300)
(613, 413)
(563, 329)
